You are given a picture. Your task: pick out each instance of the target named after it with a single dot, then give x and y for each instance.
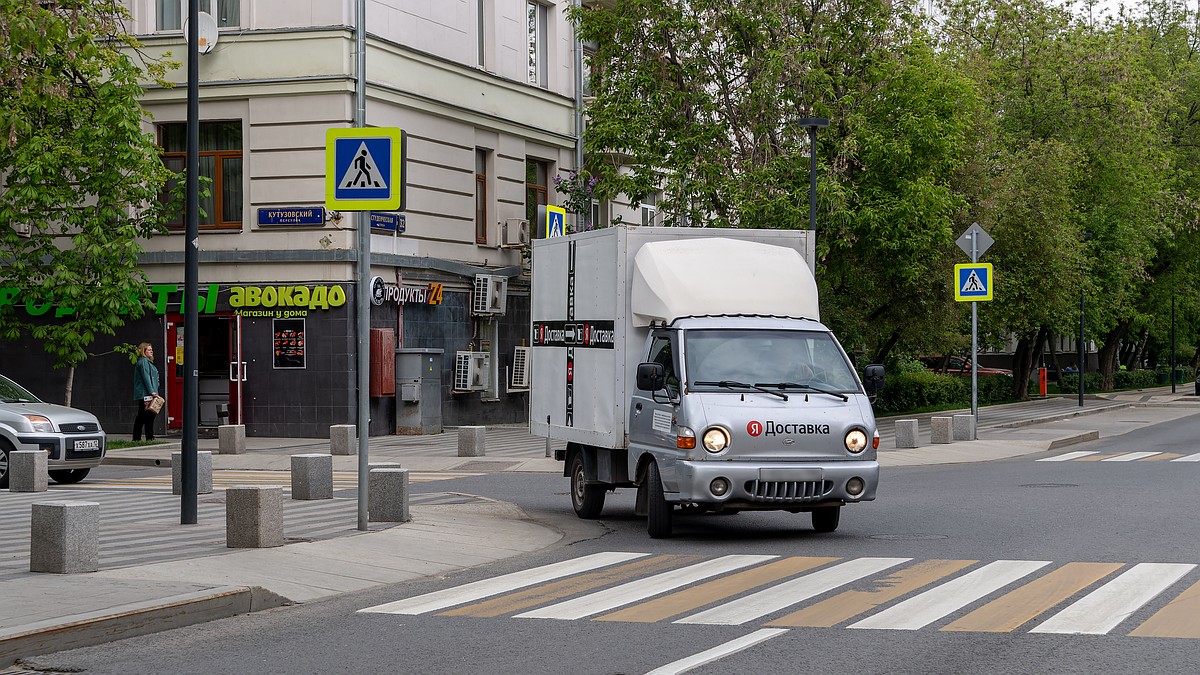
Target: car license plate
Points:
(87, 444)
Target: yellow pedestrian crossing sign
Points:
(364, 169)
(973, 282)
(556, 221)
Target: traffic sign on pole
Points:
(556, 221)
(364, 169)
(973, 282)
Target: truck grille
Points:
(788, 491)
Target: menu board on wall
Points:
(288, 343)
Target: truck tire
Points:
(826, 519)
(588, 500)
(658, 511)
(68, 476)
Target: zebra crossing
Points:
(227, 478)
(1140, 456)
(142, 527)
(777, 593)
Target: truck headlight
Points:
(40, 423)
(716, 439)
(856, 441)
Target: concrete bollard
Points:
(64, 537)
(941, 429)
(343, 439)
(231, 439)
(203, 472)
(472, 441)
(253, 516)
(27, 471)
(906, 433)
(312, 476)
(387, 495)
(964, 427)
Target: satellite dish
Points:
(207, 29)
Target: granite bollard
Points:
(27, 471)
(343, 439)
(231, 439)
(253, 516)
(64, 537)
(964, 427)
(942, 429)
(312, 476)
(203, 472)
(906, 433)
(472, 441)
(387, 495)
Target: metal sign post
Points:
(973, 283)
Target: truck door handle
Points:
(637, 408)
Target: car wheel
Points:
(5, 448)
(658, 511)
(826, 519)
(588, 500)
(69, 476)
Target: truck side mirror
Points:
(651, 376)
(874, 379)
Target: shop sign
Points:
(404, 295)
(276, 300)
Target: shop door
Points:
(220, 371)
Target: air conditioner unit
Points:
(515, 233)
(23, 229)
(471, 370)
(490, 294)
(520, 370)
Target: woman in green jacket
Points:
(145, 388)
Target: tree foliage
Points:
(79, 173)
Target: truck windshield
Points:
(767, 358)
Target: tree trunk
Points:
(70, 385)
(1108, 353)
(1136, 362)
(886, 347)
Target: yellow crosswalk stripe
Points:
(1163, 456)
(1009, 612)
(1179, 619)
(709, 592)
(846, 606)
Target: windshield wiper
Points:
(734, 384)
(809, 387)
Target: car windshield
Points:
(784, 359)
(11, 392)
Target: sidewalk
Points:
(156, 574)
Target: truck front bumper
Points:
(780, 485)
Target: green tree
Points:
(81, 177)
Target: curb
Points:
(132, 620)
(1072, 440)
(1062, 416)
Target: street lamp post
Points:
(1172, 342)
(813, 123)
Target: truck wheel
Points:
(588, 500)
(658, 511)
(5, 448)
(826, 519)
(68, 476)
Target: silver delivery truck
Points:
(691, 364)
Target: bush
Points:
(1132, 379)
(924, 389)
(1091, 383)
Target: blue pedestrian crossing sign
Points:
(364, 169)
(556, 221)
(973, 282)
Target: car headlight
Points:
(716, 439)
(40, 423)
(856, 441)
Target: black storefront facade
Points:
(280, 358)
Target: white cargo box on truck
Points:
(592, 305)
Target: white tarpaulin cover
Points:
(696, 277)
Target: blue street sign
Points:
(390, 222)
(292, 215)
(556, 221)
(973, 282)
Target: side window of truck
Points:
(662, 352)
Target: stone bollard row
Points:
(343, 439)
(203, 472)
(253, 516)
(27, 471)
(906, 433)
(231, 439)
(312, 476)
(64, 537)
(472, 441)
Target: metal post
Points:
(1172, 342)
(585, 209)
(362, 295)
(191, 280)
(975, 345)
(1082, 344)
(812, 178)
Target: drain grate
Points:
(910, 537)
(1050, 485)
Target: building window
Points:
(480, 26)
(537, 44)
(536, 193)
(593, 216)
(481, 198)
(649, 209)
(220, 162)
(170, 13)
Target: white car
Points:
(72, 439)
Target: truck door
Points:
(652, 414)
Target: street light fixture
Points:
(813, 123)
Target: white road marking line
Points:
(1189, 458)
(788, 593)
(1106, 607)
(921, 610)
(438, 600)
(1131, 457)
(1069, 456)
(641, 589)
(719, 652)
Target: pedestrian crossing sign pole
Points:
(973, 282)
(364, 169)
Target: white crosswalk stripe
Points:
(1069, 456)
(1105, 608)
(1131, 457)
(1189, 458)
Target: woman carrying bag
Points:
(145, 392)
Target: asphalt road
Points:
(935, 571)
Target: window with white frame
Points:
(537, 44)
(649, 209)
(170, 13)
